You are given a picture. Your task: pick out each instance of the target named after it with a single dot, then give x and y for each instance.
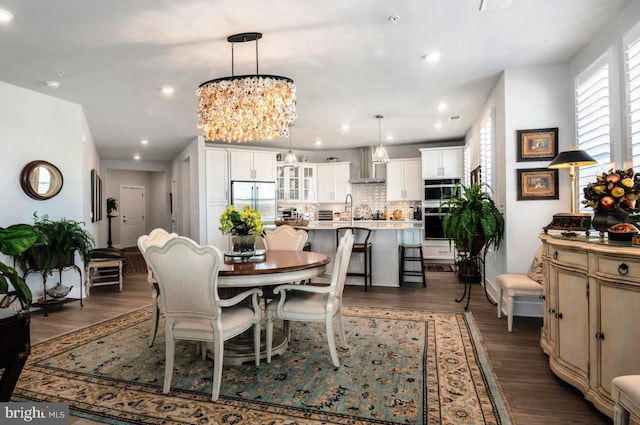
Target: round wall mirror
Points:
(41, 180)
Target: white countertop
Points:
(370, 224)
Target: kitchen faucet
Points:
(349, 200)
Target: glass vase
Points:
(244, 244)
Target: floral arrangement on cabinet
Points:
(616, 191)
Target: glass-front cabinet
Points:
(288, 183)
(308, 175)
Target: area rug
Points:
(401, 367)
(437, 267)
(133, 262)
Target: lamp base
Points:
(571, 222)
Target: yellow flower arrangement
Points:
(613, 191)
(245, 222)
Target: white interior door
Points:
(132, 218)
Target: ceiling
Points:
(348, 59)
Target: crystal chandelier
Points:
(241, 108)
(380, 155)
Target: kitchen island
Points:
(386, 236)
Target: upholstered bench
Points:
(519, 284)
(625, 392)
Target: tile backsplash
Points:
(372, 194)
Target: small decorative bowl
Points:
(59, 291)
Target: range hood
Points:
(368, 170)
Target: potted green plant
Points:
(56, 247)
(471, 219)
(14, 240)
(112, 207)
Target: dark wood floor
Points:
(533, 393)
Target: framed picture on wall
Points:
(96, 197)
(537, 183)
(537, 145)
(93, 196)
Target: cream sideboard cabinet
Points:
(591, 329)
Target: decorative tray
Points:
(245, 257)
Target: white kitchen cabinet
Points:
(404, 180)
(288, 183)
(333, 181)
(308, 182)
(591, 314)
(217, 194)
(442, 163)
(252, 165)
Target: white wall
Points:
(188, 169)
(35, 126)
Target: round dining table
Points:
(267, 268)
(271, 267)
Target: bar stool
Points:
(362, 246)
(404, 247)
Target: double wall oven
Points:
(434, 192)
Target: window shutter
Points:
(486, 150)
(632, 77)
(593, 128)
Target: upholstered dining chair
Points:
(157, 237)
(187, 275)
(309, 303)
(285, 238)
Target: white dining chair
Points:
(285, 238)
(157, 237)
(310, 303)
(187, 275)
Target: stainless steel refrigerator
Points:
(260, 196)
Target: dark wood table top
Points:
(276, 262)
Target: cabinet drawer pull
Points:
(600, 336)
(623, 269)
(555, 255)
(552, 310)
(542, 297)
(558, 315)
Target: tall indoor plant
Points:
(471, 219)
(14, 240)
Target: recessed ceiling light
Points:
(167, 90)
(345, 127)
(318, 142)
(144, 142)
(52, 84)
(5, 16)
(438, 125)
(136, 157)
(432, 57)
(442, 106)
(389, 138)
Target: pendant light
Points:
(380, 155)
(290, 160)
